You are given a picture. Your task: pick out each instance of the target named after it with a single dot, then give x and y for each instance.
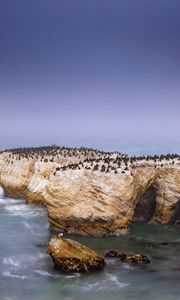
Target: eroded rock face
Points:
(146, 206)
(89, 201)
(167, 186)
(71, 256)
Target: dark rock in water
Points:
(151, 271)
(177, 222)
(176, 269)
(71, 256)
(115, 254)
(41, 245)
(161, 257)
(139, 258)
(163, 243)
(169, 244)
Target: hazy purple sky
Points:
(77, 71)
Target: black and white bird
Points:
(60, 234)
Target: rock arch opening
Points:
(145, 206)
(176, 216)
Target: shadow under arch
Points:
(176, 215)
(146, 205)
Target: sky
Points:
(102, 73)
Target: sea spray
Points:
(1, 192)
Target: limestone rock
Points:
(82, 199)
(71, 256)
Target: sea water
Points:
(27, 272)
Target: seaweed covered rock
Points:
(116, 254)
(139, 258)
(71, 256)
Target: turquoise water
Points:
(26, 270)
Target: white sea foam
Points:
(1, 191)
(110, 283)
(32, 259)
(2, 201)
(30, 228)
(127, 267)
(27, 225)
(34, 229)
(18, 210)
(21, 262)
(47, 274)
(44, 273)
(74, 275)
(8, 201)
(23, 210)
(11, 261)
(12, 275)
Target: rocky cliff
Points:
(91, 192)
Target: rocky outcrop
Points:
(116, 254)
(138, 258)
(94, 193)
(71, 256)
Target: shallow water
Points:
(26, 270)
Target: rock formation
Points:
(71, 256)
(116, 254)
(91, 192)
(132, 258)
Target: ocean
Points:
(27, 272)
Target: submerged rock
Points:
(71, 256)
(139, 258)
